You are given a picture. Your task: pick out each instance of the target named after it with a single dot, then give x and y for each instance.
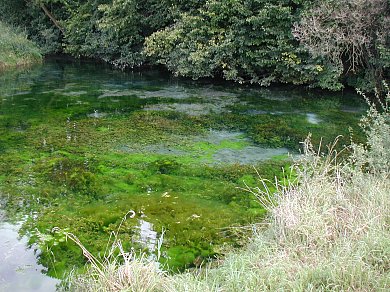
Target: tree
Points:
(244, 41)
(352, 35)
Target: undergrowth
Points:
(329, 232)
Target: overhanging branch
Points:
(52, 18)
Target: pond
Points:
(82, 145)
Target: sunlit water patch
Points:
(147, 236)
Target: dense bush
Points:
(244, 41)
(353, 36)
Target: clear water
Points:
(81, 145)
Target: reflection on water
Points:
(313, 118)
(19, 270)
(148, 237)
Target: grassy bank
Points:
(15, 49)
(328, 233)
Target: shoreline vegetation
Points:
(16, 50)
(259, 42)
(329, 232)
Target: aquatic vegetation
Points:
(81, 146)
(328, 232)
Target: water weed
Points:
(328, 232)
(82, 144)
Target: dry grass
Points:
(118, 270)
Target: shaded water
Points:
(81, 145)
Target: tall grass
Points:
(16, 49)
(329, 232)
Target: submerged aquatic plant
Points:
(328, 232)
(117, 269)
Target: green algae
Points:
(82, 145)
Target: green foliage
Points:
(351, 35)
(374, 157)
(29, 16)
(10, 11)
(111, 30)
(250, 41)
(244, 41)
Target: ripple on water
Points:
(209, 102)
(162, 149)
(19, 270)
(253, 112)
(191, 109)
(75, 93)
(351, 109)
(16, 93)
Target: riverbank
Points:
(16, 50)
(329, 233)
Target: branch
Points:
(52, 18)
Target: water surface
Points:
(19, 270)
(82, 144)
